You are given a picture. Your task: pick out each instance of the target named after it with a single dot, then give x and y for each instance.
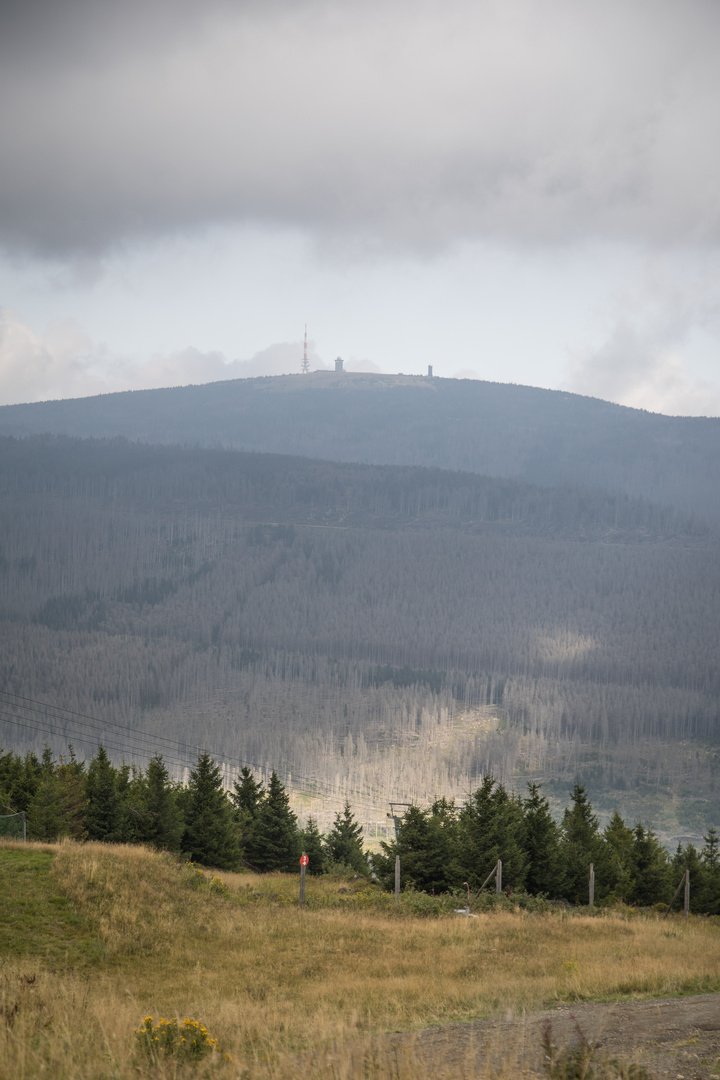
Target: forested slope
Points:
(540, 436)
(370, 632)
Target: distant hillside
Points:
(376, 632)
(274, 487)
(539, 436)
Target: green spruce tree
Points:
(619, 863)
(490, 828)
(210, 836)
(688, 858)
(71, 778)
(45, 812)
(344, 843)
(425, 842)
(247, 798)
(104, 817)
(19, 780)
(581, 846)
(709, 899)
(162, 823)
(313, 844)
(540, 837)
(129, 788)
(278, 838)
(651, 869)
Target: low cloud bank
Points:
(63, 362)
(642, 359)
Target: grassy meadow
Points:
(95, 938)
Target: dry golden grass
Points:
(270, 980)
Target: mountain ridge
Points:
(546, 437)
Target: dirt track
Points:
(670, 1037)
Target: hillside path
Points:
(672, 1038)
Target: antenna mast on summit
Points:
(305, 366)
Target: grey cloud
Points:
(409, 124)
(54, 33)
(641, 361)
(62, 362)
(633, 370)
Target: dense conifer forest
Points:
(366, 632)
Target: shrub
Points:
(194, 876)
(218, 886)
(184, 1040)
(419, 903)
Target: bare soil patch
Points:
(672, 1038)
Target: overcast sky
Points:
(512, 190)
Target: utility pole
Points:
(397, 813)
(305, 366)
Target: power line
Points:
(68, 734)
(72, 728)
(59, 713)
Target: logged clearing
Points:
(96, 938)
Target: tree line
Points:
(252, 825)
(445, 844)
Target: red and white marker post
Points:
(303, 863)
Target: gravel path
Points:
(672, 1038)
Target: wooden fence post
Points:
(684, 880)
(592, 885)
(488, 879)
(397, 878)
(498, 877)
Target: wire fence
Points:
(13, 826)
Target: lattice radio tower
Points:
(305, 366)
